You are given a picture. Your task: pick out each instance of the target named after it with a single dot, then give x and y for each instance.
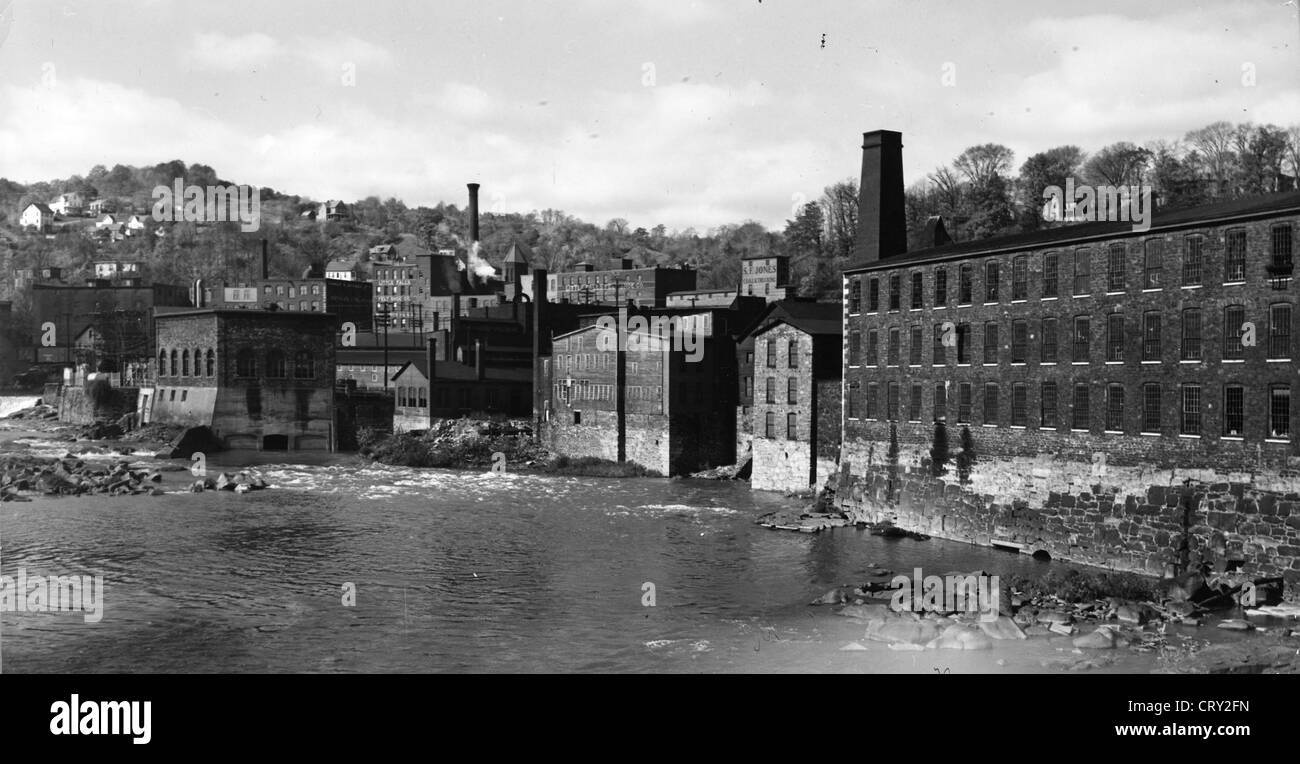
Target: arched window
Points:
(211, 365)
(175, 365)
(162, 363)
(185, 362)
(275, 365)
(303, 366)
(245, 363)
(198, 362)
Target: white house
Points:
(341, 269)
(109, 219)
(70, 203)
(36, 215)
(135, 225)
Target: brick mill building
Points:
(260, 379)
(1175, 340)
(795, 388)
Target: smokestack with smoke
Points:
(473, 212)
(477, 266)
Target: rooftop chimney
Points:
(882, 224)
(473, 212)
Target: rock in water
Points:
(243, 488)
(1101, 639)
(833, 597)
(962, 637)
(197, 486)
(1236, 624)
(1002, 628)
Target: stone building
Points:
(795, 417)
(260, 379)
(645, 287)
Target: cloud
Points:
(219, 52)
(331, 53)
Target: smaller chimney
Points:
(478, 360)
(431, 361)
(473, 212)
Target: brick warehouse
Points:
(1083, 359)
(260, 379)
(796, 400)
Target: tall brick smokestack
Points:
(882, 222)
(473, 212)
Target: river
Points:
(458, 571)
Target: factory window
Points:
(1191, 326)
(769, 424)
(940, 402)
(990, 403)
(963, 343)
(914, 405)
(873, 295)
(749, 388)
(162, 363)
(1152, 265)
(791, 426)
(965, 290)
(1115, 337)
(963, 403)
(992, 277)
(892, 359)
(422, 396)
(855, 296)
(303, 365)
(771, 353)
(1115, 407)
(895, 292)
(1282, 246)
(852, 403)
(176, 369)
(771, 389)
(1019, 404)
(1279, 330)
(1279, 411)
(1081, 413)
(1019, 277)
(792, 390)
(1191, 419)
(1047, 400)
(1051, 274)
(185, 362)
(873, 411)
(855, 346)
(1151, 335)
(918, 293)
(1082, 338)
(1193, 255)
(291, 292)
(245, 363)
(873, 347)
(198, 362)
(914, 346)
(1051, 339)
(892, 402)
(1019, 340)
(276, 368)
(1234, 257)
(1234, 319)
(1082, 271)
(1151, 407)
(940, 352)
(940, 287)
(991, 343)
(1234, 410)
(1115, 280)
(793, 352)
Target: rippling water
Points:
(454, 571)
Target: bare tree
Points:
(1214, 146)
(980, 164)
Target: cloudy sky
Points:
(681, 112)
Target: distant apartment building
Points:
(260, 379)
(645, 287)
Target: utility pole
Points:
(620, 374)
(384, 307)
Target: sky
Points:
(686, 113)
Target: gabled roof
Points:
(817, 318)
(340, 265)
(41, 207)
(519, 253)
(454, 370)
(1081, 233)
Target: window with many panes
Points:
(1234, 319)
(895, 292)
(855, 296)
(1279, 411)
(873, 295)
(1019, 404)
(893, 402)
(791, 426)
(792, 354)
(1193, 260)
(1282, 245)
(963, 343)
(1115, 268)
(1151, 336)
(855, 347)
(914, 405)
(1080, 411)
(1152, 264)
(1190, 349)
(940, 402)
(1020, 277)
(893, 347)
(873, 347)
(771, 353)
(1279, 330)
(965, 287)
(1047, 399)
(771, 389)
(1082, 339)
(792, 390)
(990, 403)
(1115, 407)
(1019, 340)
(991, 342)
(918, 296)
(1234, 410)
(992, 278)
(1051, 274)
(914, 345)
(1050, 339)
(963, 403)
(1234, 256)
(940, 350)
(1191, 419)
(1151, 407)
(1115, 337)
(1082, 271)
(769, 424)
(940, 287)
(851, 404)
(873, 412)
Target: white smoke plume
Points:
(478, 266)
